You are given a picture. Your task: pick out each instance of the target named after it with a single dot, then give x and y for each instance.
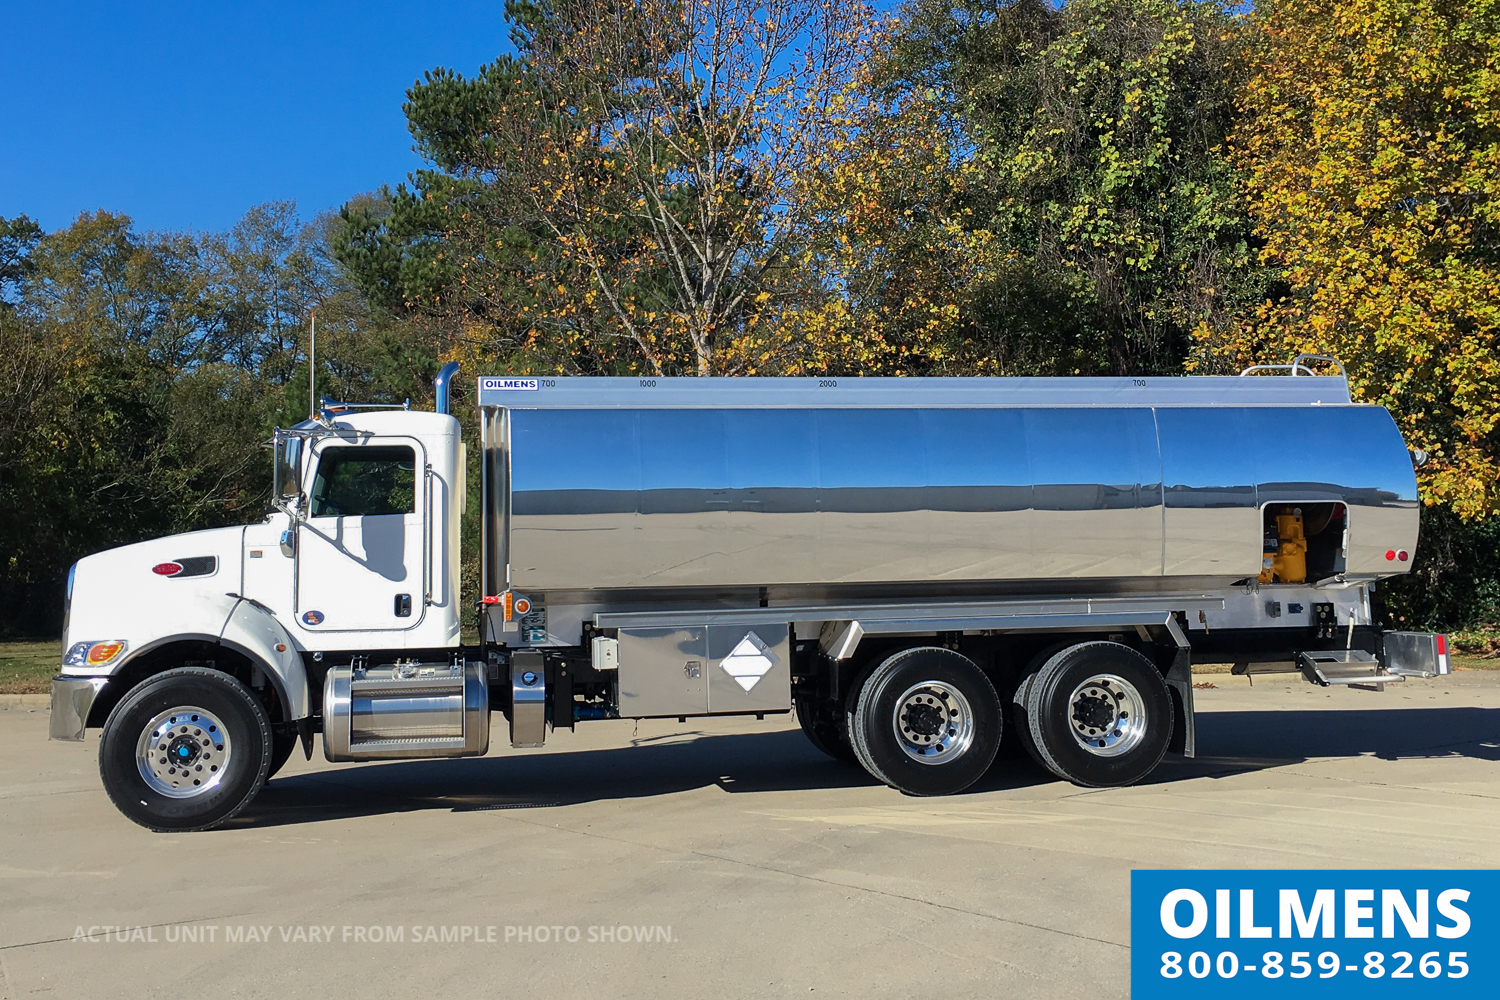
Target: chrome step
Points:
(1353, 667)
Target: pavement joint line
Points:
(168, 923)
(1386, 784)
(828, 882)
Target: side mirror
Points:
(289, 542)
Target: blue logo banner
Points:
(1324, 934)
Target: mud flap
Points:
(1179, 678)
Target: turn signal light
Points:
(512, 604)
(93, 654)
(101, 653)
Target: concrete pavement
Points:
(739, 861)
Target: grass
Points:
(1475, 649)
(28, 667)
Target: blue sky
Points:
(182, 115)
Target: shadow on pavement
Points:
(1228, 743)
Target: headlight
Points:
(94, 654)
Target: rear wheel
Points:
(824, 728)
(186, 749)
(1100, 714)
(927, 721)
(1020, 721)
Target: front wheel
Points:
(184, 750)
(927, 722)
(1100, 714)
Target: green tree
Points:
(140, 374)
(1089, 166)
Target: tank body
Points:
(893, 485)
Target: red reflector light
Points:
(167, 569)
(490, 600)
(1442, 643)
(1402, 555)
(1390, 555)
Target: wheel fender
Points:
(252, 630)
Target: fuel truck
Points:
(918, 568)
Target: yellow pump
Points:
(1285, 557)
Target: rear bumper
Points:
(72, 697)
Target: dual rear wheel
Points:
(928, 721)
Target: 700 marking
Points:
(1403, 965)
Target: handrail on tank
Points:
(1297, 367)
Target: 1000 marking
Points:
(1374, 965)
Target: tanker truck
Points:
(918, 568)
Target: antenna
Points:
(312, 369)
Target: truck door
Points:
(362, 561)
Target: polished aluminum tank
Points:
(615, 484)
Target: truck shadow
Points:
(1229, 743)
(1238, 742)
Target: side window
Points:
(358, 481)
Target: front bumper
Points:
(72, 697)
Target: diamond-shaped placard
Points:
(749, 661)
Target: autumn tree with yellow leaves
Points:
(1369, 134)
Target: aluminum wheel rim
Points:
(933, 723)
(183, 752)
(1107, 715)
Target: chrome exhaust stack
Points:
(440, 386)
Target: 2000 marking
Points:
(1403, 965)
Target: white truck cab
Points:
(359, 553)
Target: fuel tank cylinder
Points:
(405, 710)
(614, 484)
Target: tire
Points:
(1075, 705)
(213, 722)
(824, 729)
(901, 713)
(1020, 720)
(283, 745)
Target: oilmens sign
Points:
(1366, 934)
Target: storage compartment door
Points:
(663, 671)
